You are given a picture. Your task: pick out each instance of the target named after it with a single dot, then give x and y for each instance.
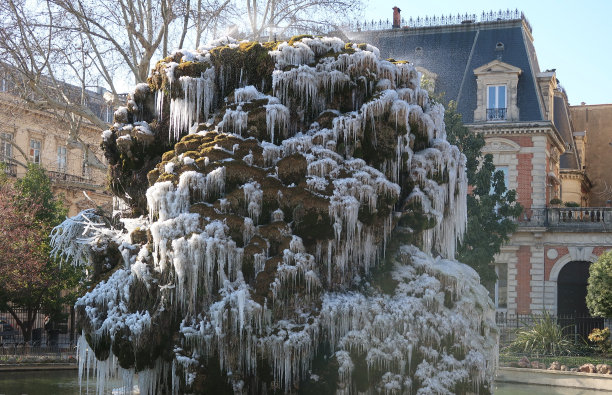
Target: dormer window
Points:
(496, 92)
(496, 102)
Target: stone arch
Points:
(553, 278)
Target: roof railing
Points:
(443, 20)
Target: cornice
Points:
(7, 99)
(546, 128)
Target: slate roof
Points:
(561, 118)
(453, 52)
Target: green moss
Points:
(191, 69)
(297, 38)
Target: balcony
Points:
(570, 219)
(71, 180)
(496, 114)
(10, 169)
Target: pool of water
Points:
(46, 382)
(66, 382)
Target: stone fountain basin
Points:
(584, 381)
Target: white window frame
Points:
(497, 287)
(62, 158)
(86, 170)
(35, 152)
(6, 147)
(502, 111)
(497, 95)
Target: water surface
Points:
(66, 382)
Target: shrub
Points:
(544, 337)
(599, 290)
(601, 338)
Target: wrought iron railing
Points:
(61, 177)
(10, 169)
(572, 325)
(42, 335)
(496, 114)
(443, 20)
(577, 218)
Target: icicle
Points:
(197, 99)
(277, 117)
(253, 196)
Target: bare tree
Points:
(307, 16)
(57, 51)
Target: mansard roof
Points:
(454, 52)
(561, 117)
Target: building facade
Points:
(488, 65)
(75, 165)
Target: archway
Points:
(572, 310)
(571, 289)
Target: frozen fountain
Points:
(297, 232)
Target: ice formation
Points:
(276, 248)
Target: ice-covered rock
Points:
(304, 232)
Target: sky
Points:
(574, 37)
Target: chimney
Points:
(396, 18)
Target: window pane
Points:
(35, 151)
(502, 285)
(61, 158)
(491, 103)
(501, 96)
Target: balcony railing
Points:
(598, 219)
(496, 114)
(10, 169)
(61, 177)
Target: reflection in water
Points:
(47, 382)
(66, 382)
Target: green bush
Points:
(599, 290)
(544, 337)
(601, 338)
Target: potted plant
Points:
(555, 202)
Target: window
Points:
(501, 286)
(35, 151)
(503, 169)
(496, 102)
(61, 158)
(6, 147)
(85, 171)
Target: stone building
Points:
(75, 166)
(548, 151)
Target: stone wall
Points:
(597, 121)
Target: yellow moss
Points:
(153, 176)
(297, 38)
(192, 69)
(167, 156)
(168, 177)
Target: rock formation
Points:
(294, 209)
